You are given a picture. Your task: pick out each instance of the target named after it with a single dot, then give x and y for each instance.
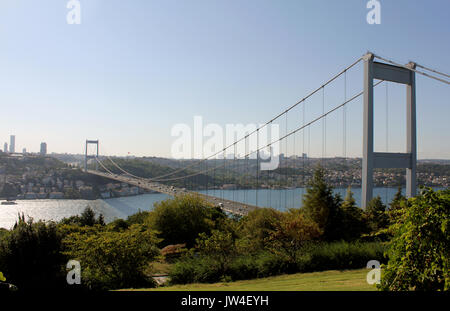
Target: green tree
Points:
(396, 206)
(30, 255)
(87, 218)
(353, 224)
(419, 253)
(181, 219)
(219, 246)
(291, 234)
(112, 260)
(377, 217)
(258, 225)
(321, 206)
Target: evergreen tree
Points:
(321, 206)
(376, 214)
(353, 222)
(396, 206)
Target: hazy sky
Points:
(133, 69)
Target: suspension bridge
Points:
(297, 140)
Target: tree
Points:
(396, 206)
(30, 255)
(419, 253)
(257, 226)
(322, 207)
(87, 218)
(352, 223)
(376, 215)
(112, 260)
(181, 219)
(291, 234)
(219, 246)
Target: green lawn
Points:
(348, 280)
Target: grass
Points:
(347, 280)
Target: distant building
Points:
(43, 149)
(5, 147)
(24, 150)
(12, 143)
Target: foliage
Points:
(219, 247)
(30, 255)
(111, 260)
(258, 225)
(396, 205)
(183, 218)
(87, 218)
(138, 218)
(291, 234)
(419, 253)
(352, 221)
(322, 207)
(314, 257)
(376, 215)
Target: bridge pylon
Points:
(86, 156)
(381, 71)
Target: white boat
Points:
(9, 203)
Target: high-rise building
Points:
(24, 150)
(5, 147)
(12, 143)
(43, 148)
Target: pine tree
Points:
(321, 206)
(353, 223)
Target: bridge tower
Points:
(375, 70)
(86, 156)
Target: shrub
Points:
(30, 256)
(111, 260)
(87, 218)
(182, 219)
(258, 225)
(291, 234)
(419, 253)
(313, 257)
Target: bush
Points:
(419, 253)
(314, 257)
(87, 218)
(112, 260)
(30, 256)
(258, 225)
(182, 219)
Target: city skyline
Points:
(126, 75)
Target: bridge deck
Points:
(229, 206)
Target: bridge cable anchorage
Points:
(415, 70)
(264, 125)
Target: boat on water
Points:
(9, 202)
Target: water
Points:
(125, 206)
(58, 209)
(290, 198)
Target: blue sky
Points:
(133, 69)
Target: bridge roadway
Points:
(229, 206)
